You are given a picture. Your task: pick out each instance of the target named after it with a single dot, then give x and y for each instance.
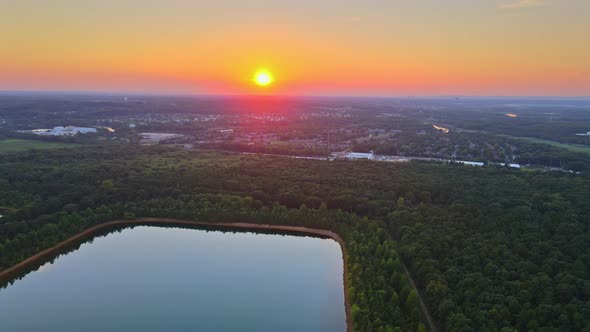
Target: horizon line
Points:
(246, 95)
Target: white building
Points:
(470, 163)
(63, 131)
(511, 165)
(359, 155)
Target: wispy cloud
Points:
(523, 4)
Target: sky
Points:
(312, 47)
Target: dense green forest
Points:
(490, 248)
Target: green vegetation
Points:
(318, 126)
(11, 145)
(570, 147)
(490, 248)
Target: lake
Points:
(150, 278)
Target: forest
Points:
(491, 249)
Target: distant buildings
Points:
(442, 129)
(108, 129)
(155, 138)
(359, 155)
(62, 131)
(481, 164)
(511, 165)
(586, 134)
(470, 163)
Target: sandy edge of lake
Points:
(47, 253)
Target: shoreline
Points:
(47, 253)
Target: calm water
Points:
(173, 279)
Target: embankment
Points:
(47, 254)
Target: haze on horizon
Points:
(336, 47)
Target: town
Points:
(392, 130)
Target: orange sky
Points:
(345, 47)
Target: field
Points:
(570, 147)
(11, 145)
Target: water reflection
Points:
(154, 279)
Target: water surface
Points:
(174, 279)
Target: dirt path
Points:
(425, 310)
(13, 271)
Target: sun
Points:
(263, 77)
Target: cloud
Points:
(354, 19)
(523, 4)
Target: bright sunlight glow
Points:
(263, 77)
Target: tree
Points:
(107, 185)
(421, 328)
(459, 322)
(411, 300)
(400, 202)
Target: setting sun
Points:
(263, 77)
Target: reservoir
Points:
(149, 278)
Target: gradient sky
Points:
(344, 47)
